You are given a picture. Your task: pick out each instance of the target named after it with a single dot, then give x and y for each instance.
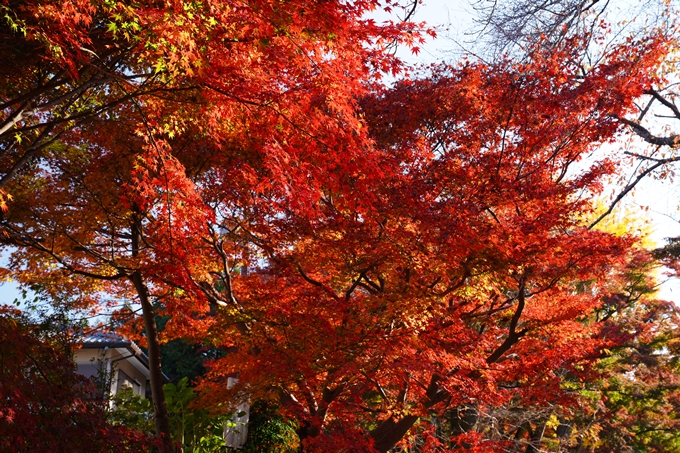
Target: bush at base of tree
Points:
(193, 430)
(269, 432)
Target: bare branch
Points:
(672, 141)
(630, 187)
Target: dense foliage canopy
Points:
(384, 264)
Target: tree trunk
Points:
(563, 432)
(160, 411)
(389, 432)
(463, 419)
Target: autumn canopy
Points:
(376, 254)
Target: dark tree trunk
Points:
(160, 410)
(463, 419)
(391, 431)
(564, 429)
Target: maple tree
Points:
(60, 68)
(370, 257)
(628, 400)
(45, 405)
(150, 72)
(451, 283)
(517, 26)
